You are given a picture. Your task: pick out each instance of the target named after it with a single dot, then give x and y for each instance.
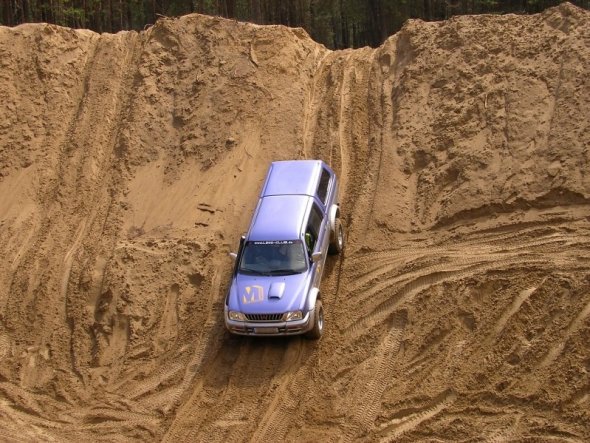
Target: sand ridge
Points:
(131, 163)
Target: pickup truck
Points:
(275, 285)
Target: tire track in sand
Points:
(310, 108)
(429, 277)
(89, 165)
(82, 161)
(5, 345)
(514, 307)
(401, 425)
(379, 313)
(247, 376)
(193, 365)
(49, 194)
(361, 295)
(334, 137)
(365, 405)
(504, 435)
(557, 349)
(273, 423)
(385, 262)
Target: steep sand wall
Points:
(131, 163)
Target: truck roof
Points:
(279, 217)
(292, 177)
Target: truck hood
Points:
(268, 295)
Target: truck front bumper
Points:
(270, 328)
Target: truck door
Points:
(317, 237)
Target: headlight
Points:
(236, 316)
(294, 315)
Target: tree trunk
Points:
(255, 12)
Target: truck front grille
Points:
(264, 317)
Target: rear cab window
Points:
(314, 226)
(323, 187)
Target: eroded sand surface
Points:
(131, 163)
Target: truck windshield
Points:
(273, 257)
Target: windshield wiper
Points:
(253, 271)
(284, 271)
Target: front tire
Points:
(318, 322)
(337, 240)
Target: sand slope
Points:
(131, 163)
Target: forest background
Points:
(335, 23)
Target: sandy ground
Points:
(131, 163)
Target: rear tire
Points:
(318, 322)
(337, 240)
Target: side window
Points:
(323, 186)
(312, 230)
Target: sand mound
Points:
(130, 164)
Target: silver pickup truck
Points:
(275, 287)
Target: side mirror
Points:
(316, 257)
(234, 255)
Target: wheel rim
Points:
(340, 237)
(321, 319)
